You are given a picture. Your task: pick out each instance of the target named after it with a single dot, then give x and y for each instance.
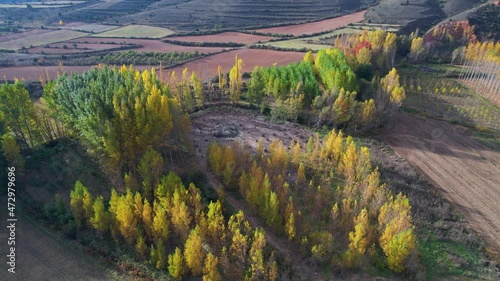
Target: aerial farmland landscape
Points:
(250, 140)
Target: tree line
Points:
(324, 195)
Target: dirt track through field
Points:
(467, 172)
(40, 257)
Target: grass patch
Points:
(443, 258)
(137, 31)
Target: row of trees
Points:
(481, 68)
(177, 232)
(324, 195)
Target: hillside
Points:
(487, 22)
(420, 14)
(205, 15)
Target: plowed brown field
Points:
(148, 45)
(207, 67)
(225, 37)
(467, 172)
(315, 27)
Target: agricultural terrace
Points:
(136, 31)
(41, 5)
(224, 37)
(37, 38)
(74, 47)
(314, 43)
(90, 28)
(315, 27)
(145, 45)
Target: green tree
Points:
(76, 203)
(194, 253)
(210, 270)
(12, 152)
(18, 113)
(100, 219)
(176, 266)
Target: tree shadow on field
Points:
(409, 131)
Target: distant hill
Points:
(421, 14)
(207, 15)
(487, 22)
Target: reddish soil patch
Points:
(207, 67)
(315, 27)
(149, 45)
(58, 48)
(32, 73)
(225, 37)
(467, 172)
(23, 34)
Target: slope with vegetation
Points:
(153, 211)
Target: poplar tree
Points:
(194, 253)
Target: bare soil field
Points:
(58, 48)
(40, 38)
(225, 37)
(207, 67)
(40, 257)
(315, 27)
(149, 45)
(19, 35)
(466, 172)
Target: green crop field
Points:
(36, 39)
(137, 31)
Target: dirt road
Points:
(40, 257)
(467, 172)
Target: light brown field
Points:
(150, 45)
(58, 48)
(315, 27)
(39, 38)
(207, 67)
(225, 37)
(19, 35)
(467, 172)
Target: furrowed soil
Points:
(467, 173)
(40, 257)
(315, 27)
(207, 67)
(224, 37)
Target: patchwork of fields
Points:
(37, 38)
